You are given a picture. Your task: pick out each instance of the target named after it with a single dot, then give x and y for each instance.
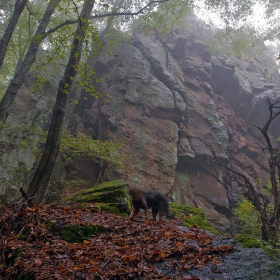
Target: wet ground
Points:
(247, 264)
(242, 263)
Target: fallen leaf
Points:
(37, 262)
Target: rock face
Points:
(172, 104)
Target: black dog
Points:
(146, 200)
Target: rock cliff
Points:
(171, 103)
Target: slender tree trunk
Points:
(29, 59)
(270, 226)
(19, 7)
(269, 231)
(44, 170)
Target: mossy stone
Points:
(192, 216)
(106, 207)
(110, 192)
(79, 233)
(55, 228)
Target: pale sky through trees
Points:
(258, 20)
(210, 17)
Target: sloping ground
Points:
(32, 245)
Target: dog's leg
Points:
(138, 201)
(154, 211)
(147, 220)
(134, 212)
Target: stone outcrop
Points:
(171, 103)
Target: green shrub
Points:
(249, 218)
(247, 241)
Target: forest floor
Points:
(33, 246)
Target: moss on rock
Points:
(110, 192)
(109, 196)
(192, 216)
(247, 241)
(73, 233)
(54, 227)
(112, 196)
(111, 207)
(79, 233)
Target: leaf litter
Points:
(124, 250)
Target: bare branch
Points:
(77, 12)
(272, 114)
(262, 148)
(141, 11)
(68, 22)
(230, 169)
(32, 14)
(28, 199)
(249, 190)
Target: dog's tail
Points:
(163, 204)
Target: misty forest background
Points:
(48, 44)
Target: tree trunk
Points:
(29, 59)
(269, 231)
(44, 170)
(19, 7)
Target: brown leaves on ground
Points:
(126, 250)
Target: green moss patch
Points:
(54, 227)
(3, 200)
(110, 207)
(110, 192)
(50, 223)
(247, 241)
(192, 216)
(77, 234)
(25, 276)
(110, 196)
(74, 233)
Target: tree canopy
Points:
(244, 24)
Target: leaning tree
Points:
(30, 57)
(19, 7)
